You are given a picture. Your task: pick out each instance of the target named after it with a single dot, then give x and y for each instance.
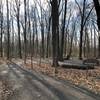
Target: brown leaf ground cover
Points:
(89, 79)
(5, 90)
(5, 87)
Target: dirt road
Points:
(30, 85)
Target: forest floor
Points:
(18, 83)
(5, 87)
(87, 79)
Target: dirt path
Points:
(27, 85)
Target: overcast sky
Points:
(43, 3)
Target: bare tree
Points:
(55, 31)
(1, 26)
(84, 19)
(97, 8)
(18, 26)
(63, 32)
(8, 31)
(72, 37)
(25, 31)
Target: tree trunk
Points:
(42, 34)
(97, 8)
(81, 44)
(55, 34)
(48, 39)
(19, 39)
(1, 10)
(25, 40)
(33, 39)
(63, 32)
(72, 36)
(20, 54)
(94, 43)
(8, 35)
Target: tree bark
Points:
(25, 40)
(18, 26)
(63, 32)
(8, 35)
(97, 8)
(1, 21)
(55, 30)
(48, 39)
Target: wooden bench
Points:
(93, 62)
